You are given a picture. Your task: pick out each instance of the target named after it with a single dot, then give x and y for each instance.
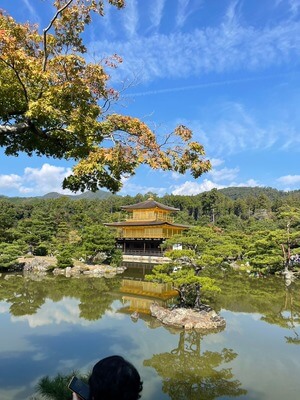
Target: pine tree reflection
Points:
(288, 315)
(28, 299)
(277, 303)
(26, 296)
(189, 374)
(96, 298)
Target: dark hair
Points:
(114, 378)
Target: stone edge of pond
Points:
(186, 318)
(39, 265)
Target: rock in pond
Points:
(188, 318)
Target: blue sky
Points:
(228, 69)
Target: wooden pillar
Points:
(144, 247)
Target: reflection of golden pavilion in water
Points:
(145, 229)
(141, 294)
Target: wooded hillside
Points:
(264, 222)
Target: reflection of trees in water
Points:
(288, 316)
(26, 296)
(278, 304)
(270, 297)
(95, 299)
(189, 374)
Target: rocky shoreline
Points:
(188, 318)
(40, 265)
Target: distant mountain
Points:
(231, 192)
(245, 191)
(100, 194)
(52, 195)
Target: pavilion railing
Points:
(146, 252)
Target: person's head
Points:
(114, 378)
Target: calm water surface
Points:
(61, 324)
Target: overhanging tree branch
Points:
(45, 31)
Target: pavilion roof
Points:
(145, 223)
(150, 203)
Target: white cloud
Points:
(249, 182)
(215, 162)
(10, 181)
(36, 181)
(191, 188)
(176, 176)
(289, 179)
(46, 179)
(224, 174)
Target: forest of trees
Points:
(252, 226)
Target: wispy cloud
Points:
(186, 8)
(182, 14)
(215, 162)
(224, 174)
(237, 130)
(33, 14)
(130, 188)
(230, 129)
(290, 180)
(130, 19)
(156, 12)
(209, 84)
(230, 46)
(249, 182)
(293, 5)
(292, 137)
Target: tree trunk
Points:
(198, 297)
(182, 294)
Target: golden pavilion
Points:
(147, 226)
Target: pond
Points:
(57, 324)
